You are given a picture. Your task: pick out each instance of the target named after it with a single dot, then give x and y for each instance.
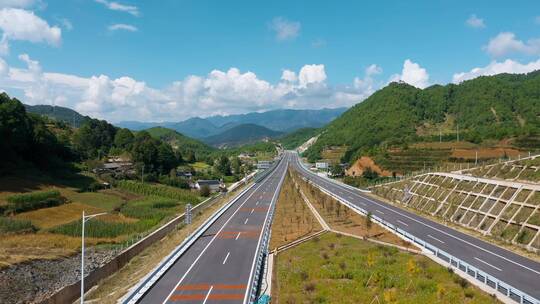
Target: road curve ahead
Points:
(517, 271)
(219, 267)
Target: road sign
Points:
(188, 214)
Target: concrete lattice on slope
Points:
(502, 209)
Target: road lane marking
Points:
(379, 211)
(487, 264)
(247, 219)
(257, 203)
(212, 240)
(436, 239)
(425, 224)
(403, 223)
(238, 235)
(252, 211)
(208, 294)
(226, 257)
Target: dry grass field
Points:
(292, 219)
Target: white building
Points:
(321, 165)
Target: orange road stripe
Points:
(187, 297)
(225, 296)
(194, 287)
(224, 286)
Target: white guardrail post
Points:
(509, 291)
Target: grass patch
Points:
(10, 224)
(18, 203)
(99, 200)
(50, 217)
(334, 269)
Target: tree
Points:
(369, 222)
(166, 158)
(236, 165)
(205, 191)
(145, 150)
(190, 157)
(336, 170)
(124, 139)
(94, 137)
(370, 174)
(223, 166)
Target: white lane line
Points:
(257, 203)
(272, 201)
(487, 264)
(245, 222)
(252, 211)
(436, 239)
(238, 235)
(351, 197)
(403, 223)
(212, 240)
(363, 204)
(226, 257)
(208, 294)
(428, 225)
(379, 211)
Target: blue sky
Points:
(171, 59)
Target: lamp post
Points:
(83, 220)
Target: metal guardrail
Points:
(263, 247)
(147, 282)
(506, 289)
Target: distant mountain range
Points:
(67, 115)
(240, 135)
(284, 121)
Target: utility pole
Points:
(84, 219)
(476, 158)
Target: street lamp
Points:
(83, 220)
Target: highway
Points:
(513, 269)
(220, 266)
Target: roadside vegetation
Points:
(340, 269)
(292, 219)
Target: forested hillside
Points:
(295, 139)
(240, 135)
(191, 149)
(486, 108)
(67, 115)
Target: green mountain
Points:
(486, 108)
(67, 115)
(240, 135)
(184, 144)
(295, 139)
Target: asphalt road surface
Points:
(220, 265)
(513, 269)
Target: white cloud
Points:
(123, 27)
(505, 43)
(312, 74)
(18, 3)
(285, 29)
(66, 23)
(19, 24)
(289, 76)
(475, 22)
(412, 74)
(115, 6)
(507, 66)
(219, 92)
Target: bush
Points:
(178, 182)
(8, 224)
(31, 201)
(205, 191)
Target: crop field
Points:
(40, 217)
(525, 170)
(339, 269)
(333, 154)
(292, 219)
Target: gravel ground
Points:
(36, 280)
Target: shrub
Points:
(8, 224)
(31, 201)
(205, 191)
